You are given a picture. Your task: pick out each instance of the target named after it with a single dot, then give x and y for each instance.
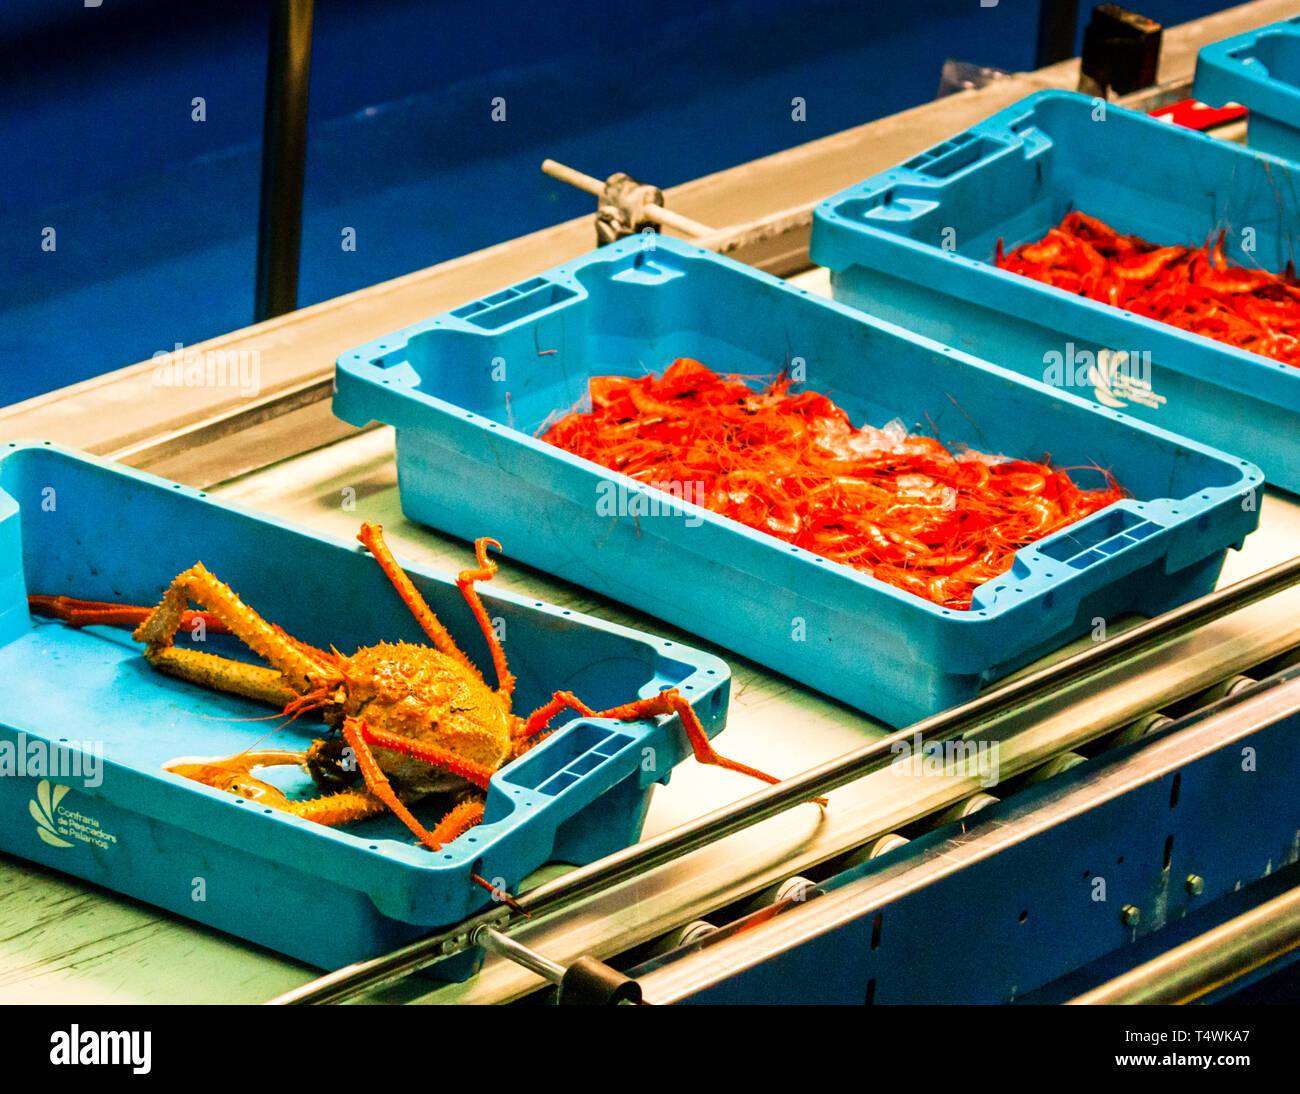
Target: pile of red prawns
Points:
(900, 507)
(1192, 288)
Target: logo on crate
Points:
(1116, 377)
(58, 826)
(1117, 383)
(42, 808)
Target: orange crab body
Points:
(422, 695)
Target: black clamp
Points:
(591, 983)
(586, 982)
(1121, 52)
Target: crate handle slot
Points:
(1034, 141)
(1098, 538)
(579, 749)
(898, 209)
(952, 157)
(526, 300)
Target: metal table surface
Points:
(64, 941)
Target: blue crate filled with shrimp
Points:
(918, 245)
(469, 391)
(176, 780)
(1259, 69)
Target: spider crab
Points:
(418, 719)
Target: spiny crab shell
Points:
(420, 693)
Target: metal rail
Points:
(656, 214)
(1210, 961)
(223, 424)
(554, 896)
(980, 853)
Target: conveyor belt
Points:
(1168, 826)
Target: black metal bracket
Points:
(1121, 51)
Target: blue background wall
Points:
(155, 213)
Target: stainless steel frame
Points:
(1190, 970)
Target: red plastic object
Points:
(1196, 115)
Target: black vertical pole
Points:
(1058, 23)
(284, 156)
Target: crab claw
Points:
(234, 774)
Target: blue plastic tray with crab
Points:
(78, 526)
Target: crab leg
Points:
(372, 536)
(208, 670)
(460, 819)
(478, 774)
(359, 736)
(234, 774)
(337, 809)
(89, 613)
(302, 666)
(465, 582)
(666, 702)
(225, 674)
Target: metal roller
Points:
(1138, 729)
(1055, 766)
(875, 849)
(964, 809)
(683, 936)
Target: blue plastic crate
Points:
(78, 526)
(915, 245)
(1260, 70)
(468, 389)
